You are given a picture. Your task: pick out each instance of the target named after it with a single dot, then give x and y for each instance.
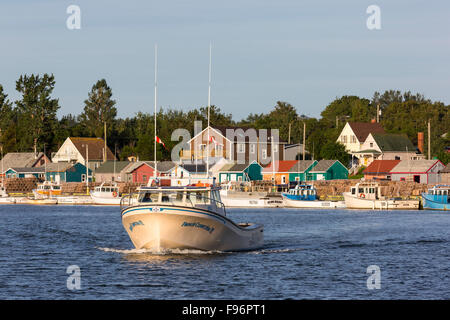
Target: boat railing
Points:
(132, 199)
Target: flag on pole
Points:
(211, 139)
(158, 140)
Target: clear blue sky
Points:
(303, 52)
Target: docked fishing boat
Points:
(437, 198)
(106, 193)
(367, 195)
(241, 199)
(190, 217)
(47, 189)
(305, 196)
(4, 197)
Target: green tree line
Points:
(31, 122)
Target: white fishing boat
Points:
(232, 198)
(190, 217)
(368, 196)
(106, 193)
(305, 196)
(4, 197)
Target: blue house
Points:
(67, 172)
(37, 172)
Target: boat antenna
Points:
(156, 65)
(209, 107)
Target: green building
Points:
(67, 172)
(300, 170)
(328, 170)
(240, 172)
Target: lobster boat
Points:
(437, 198)
(106, 194)
(305, 196)
(189, 217)
(368, 196)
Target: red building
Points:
(143, 171)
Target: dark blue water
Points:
(308, 254)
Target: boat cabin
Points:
(188, 196)
(366, 191)
(303, 192)
(48, 187)
(440, 193)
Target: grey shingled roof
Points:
(323, 165)
(108, 166)
(29, 170)
(20, 159)
(58, 167)
(301, 166)
(413, 166)
(447, 168)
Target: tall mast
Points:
(209, 106)
(156, 64)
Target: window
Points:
(241, 147)
(353, 140)
(275, 148)
(397, 158)
(252, 148)
(371, 144)
(344, 139)
(83, 178)
(264, 153)
(144, 178)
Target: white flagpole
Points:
(156, 64)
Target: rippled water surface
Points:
(308, 254)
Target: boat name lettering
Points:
(136, 223)
(198, 225)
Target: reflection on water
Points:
(154, 256)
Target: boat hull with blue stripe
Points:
(437, 198)
(305, 196)
(183, 218)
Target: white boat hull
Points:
(37, 201)
(314, 204)
(104, 200)
(173, 227)
(249, 202)
(354, 202)
(7, 200)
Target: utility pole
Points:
(429, 139)
(87, 169)
(104, 152)
(289, 134)
(304, 139)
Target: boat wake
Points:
(162, 252)
(166, 252)
(269, 251)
